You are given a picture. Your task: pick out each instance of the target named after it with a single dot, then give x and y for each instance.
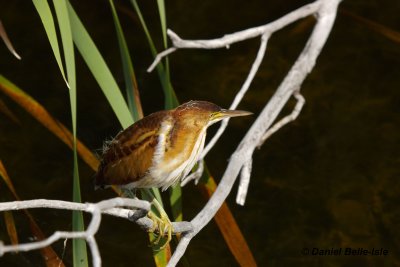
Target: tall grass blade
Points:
(144, 25)
(79, 250)
(99, 69)
(163, 20)
(10, 226)
(7, 180)
(170, 96)
(43, 8)
(167, 78)
(132, 90)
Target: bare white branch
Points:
(93, 227)
(109, 207)
(232, 38)
(289, 118)
(136, 215)
(160, 56)
(67, 205)
(244, 182)
(326, 13)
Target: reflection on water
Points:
(327, 181)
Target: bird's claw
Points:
(161, 224)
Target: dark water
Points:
(328, 180)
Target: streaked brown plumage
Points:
(160, 149)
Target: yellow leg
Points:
(161, 223)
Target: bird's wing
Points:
(129, 155)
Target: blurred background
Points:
(328, 180)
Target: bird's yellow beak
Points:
(227, 113)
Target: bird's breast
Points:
(176, 155)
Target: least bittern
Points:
(160, 150)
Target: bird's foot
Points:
(161, 224)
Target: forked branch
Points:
(325, 11)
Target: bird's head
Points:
(203, 113)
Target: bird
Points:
(160, 149)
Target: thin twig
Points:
(239, 96)
(196, 175)
(232, 38)
(160, 56)
(244, 182)
(289, 118)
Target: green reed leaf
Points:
(99, 69)
(43, 8)
(129, 73)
